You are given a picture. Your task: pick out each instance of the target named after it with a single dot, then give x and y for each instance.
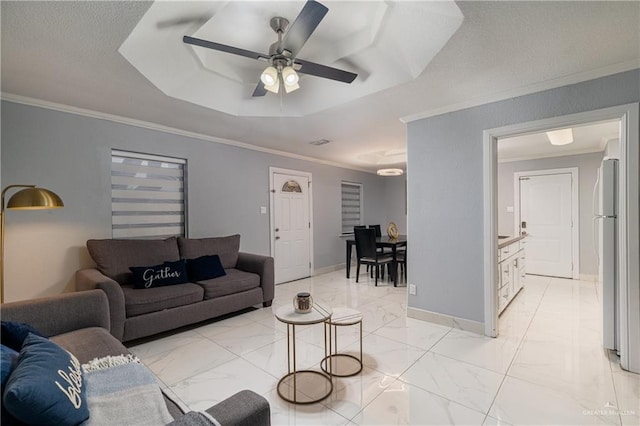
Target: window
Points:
(351, 206)
(291, 186)
(147, 196)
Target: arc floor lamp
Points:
(29, 198)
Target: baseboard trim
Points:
(446, 320)
(588, 277)
(327, 269)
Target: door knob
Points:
(277, 238)
(277, 229)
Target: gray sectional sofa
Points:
(79, 322)
(137, 313)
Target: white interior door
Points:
(292, 227)
(546, 215)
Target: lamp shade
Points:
(34, 199)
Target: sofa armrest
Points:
(245, 408)
(90, 279)
(62, 313)
(263, 266)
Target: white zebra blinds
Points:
(351, 206)
(147, 196)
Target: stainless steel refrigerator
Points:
(605, 227)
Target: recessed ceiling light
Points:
(390, 172)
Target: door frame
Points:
(628, 218)
(272, 191)
(575, 209)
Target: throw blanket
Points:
(121, 391)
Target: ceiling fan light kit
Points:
(283, 53)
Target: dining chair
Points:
(377, 229)
(401, 259)
(367, 254)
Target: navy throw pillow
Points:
(205, 268)
(9, 359)
(169, 273)
(14, 333)
(46, 387)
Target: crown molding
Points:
(24, 100)
(527, 90)
(548, 155)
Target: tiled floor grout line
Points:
(515, 354)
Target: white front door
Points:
(291, 227)
(546, 215)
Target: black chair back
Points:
(365, 242)
(377, 229)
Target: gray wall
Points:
(70, 154)
(445, 170)
(395, 199)
(587, 165)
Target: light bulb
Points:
(290, 76)
(269, 76)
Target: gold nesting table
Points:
(336, 363)
(304, 386)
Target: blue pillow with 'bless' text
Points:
(46, 387)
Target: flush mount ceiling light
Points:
(390, 172)
(560, 137)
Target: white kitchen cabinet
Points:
(511, 270)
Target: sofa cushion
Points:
(113, 257)
(225, 247)
(138, 302)
(205, 268)
(46, 386)
(236, 281)
(89, 343)
(169, 273)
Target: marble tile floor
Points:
(547, 367)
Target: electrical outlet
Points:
(412, 289)
(263, 210)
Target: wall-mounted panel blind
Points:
(351, 206)
(147, 196)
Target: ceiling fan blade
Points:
(259, 90)
(311, 68)
(301, 29)
(224, 48)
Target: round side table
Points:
(303, 386)
(331, 364)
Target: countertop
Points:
(510, 240)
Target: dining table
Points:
(381, 242)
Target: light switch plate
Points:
(263, 210)
(412, 289)
(509, 209)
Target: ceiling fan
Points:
(284, 66)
